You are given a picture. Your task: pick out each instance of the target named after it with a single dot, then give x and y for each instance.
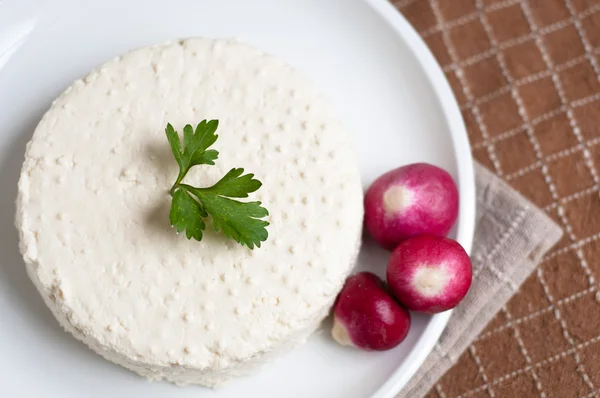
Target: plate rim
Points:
(466, 176)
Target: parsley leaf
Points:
(233, 185)
(240, 221)
(186, 214)
(195, 145)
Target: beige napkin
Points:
(511, 236)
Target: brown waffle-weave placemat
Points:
(526, 75)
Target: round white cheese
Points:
(93, 211)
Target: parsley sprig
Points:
(240, 221)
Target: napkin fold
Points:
(511, 237)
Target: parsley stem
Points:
(180, 177)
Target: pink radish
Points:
(367, 317)
(429, 273)
(412, 200)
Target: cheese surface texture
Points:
(93, 211)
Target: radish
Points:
(429, 273)
(367, 317)
(412, 200)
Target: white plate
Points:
(362, 53)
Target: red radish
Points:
(412, 200)
(367, 317)
(429, 273)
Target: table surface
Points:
(526, 74)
